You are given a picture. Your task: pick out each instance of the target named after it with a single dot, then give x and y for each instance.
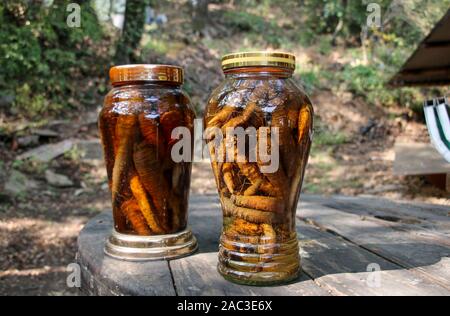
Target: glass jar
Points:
(259, 182)
(149, 188)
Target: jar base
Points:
(146, 248)
(259, 264)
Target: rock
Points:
(18, 183)
(3, 196)
(385, 188)
(46, 153)
(57, 180)
(91, 117)
(6, 101)
(161, 19)
(363, 130)
(79, 192)
(44, 132)
(90, 149)
(2, 171)
(27, 141)
(58, 123)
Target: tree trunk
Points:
(133, 28)
(199, 14)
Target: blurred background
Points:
(53, 76)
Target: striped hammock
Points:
(438, 124)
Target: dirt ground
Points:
(39, 227)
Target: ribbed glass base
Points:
(158, 247)
(258, 261)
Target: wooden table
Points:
(422, 159)
(343, 240)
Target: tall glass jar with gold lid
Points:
(149, 187)
(259, 131)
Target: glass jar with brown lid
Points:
(259, 131)
(149, 188)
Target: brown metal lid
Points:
(263, 58)
(146, 72)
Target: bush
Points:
(43, 59)
(252, 23)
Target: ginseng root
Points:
(220, 117)
(175, 206)
(251, 215)
(253, 189)
(263, 203)
(217, 121)
(268, 231)
(278, 178)
(150, 172)
(169, 121)
(228, 178)
(269, 239)
(292, 117)
(107, 124)
(241, 119)
(215, 165)
(251, 172)
(132, 212)
(125, 135)
(177, 176)
(244, 227)
(304, 123)
(152, 133)
(144, 205)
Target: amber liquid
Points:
(258, 242)
(149, 190)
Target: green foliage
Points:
(309, 80)
(35, 103)
(409, 20)
(30, 166)
(323, 16)
(254, 24)
(324, 137)
(324, 45)
(42, 58)
(369, 82)
(362, 79)
(131, 33)
(156, 46)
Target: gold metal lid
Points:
(277, 59)
(146, 72)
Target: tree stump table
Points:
(349, 246)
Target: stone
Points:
(6, 101)
(48, 152)
(90, 149)
(27, 141)
(44, 132)
(18, 183)
(385, 188)
(2, 171)
(79, 192)
(57, 180)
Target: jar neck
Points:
(260, 71)
(167, 84)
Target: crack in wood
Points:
(419, 271)
(172, 278)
